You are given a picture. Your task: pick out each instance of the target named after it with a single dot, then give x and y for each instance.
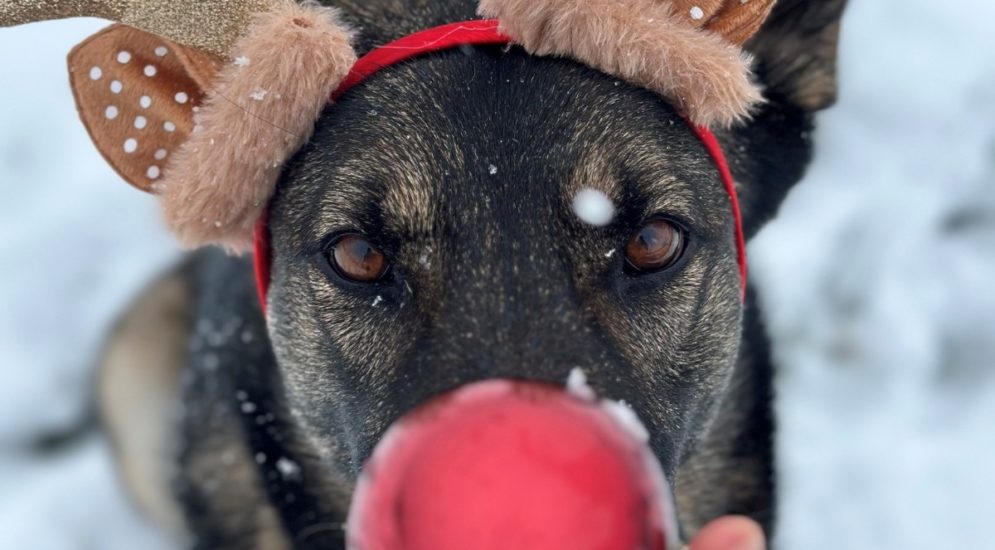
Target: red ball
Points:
(499, 465)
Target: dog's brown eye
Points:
(657, 245)
(358, 260)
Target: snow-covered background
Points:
(879, 280)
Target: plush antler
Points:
(209, 25)
(685, 50)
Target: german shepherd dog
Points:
(457, 170)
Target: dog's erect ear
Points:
(136, 94)
(202, 101)
(795, 52)
(795, 56)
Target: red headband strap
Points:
(471, 33)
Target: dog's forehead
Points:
(449, 135)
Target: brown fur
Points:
(642, 42)
(220, 180)
(139, 392)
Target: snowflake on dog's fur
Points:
(593, 207)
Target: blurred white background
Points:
(878, 280)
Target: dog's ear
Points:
(795, 55)
(795, 52)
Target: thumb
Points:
(730, 533)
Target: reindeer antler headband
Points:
(203, 101)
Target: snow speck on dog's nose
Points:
(578, 387)
(593, 207)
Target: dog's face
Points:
(423, 241)
(426, 237)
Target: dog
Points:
(435, 246)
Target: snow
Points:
(593, 207)
(877, 282)
(289, 469)
(75, 245)
(878, 279)
(626, 418)
(619, 411)
(578, 387)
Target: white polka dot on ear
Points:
(697, 13)
(96, 73)
(145, 101)
(161, 51)
(182, 97)
(150, 70)
(123, 57)
(130, 145)
(161, 154)
(141, 122)
(169, 126)
(153, 172)
(116, 87)
(111, 112)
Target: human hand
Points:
(730, 533)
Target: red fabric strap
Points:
(470, 33)
(476, 33)
(719, 158)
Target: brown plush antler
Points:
(209, 25)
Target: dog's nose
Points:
(502, 464)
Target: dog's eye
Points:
(354, 258)
(657, 245)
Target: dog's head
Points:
(441, 226)
(428, 234)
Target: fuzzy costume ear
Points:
(685, 51)
(260, 110)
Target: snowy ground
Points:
(878, 276)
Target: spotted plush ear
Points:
(136, 94)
